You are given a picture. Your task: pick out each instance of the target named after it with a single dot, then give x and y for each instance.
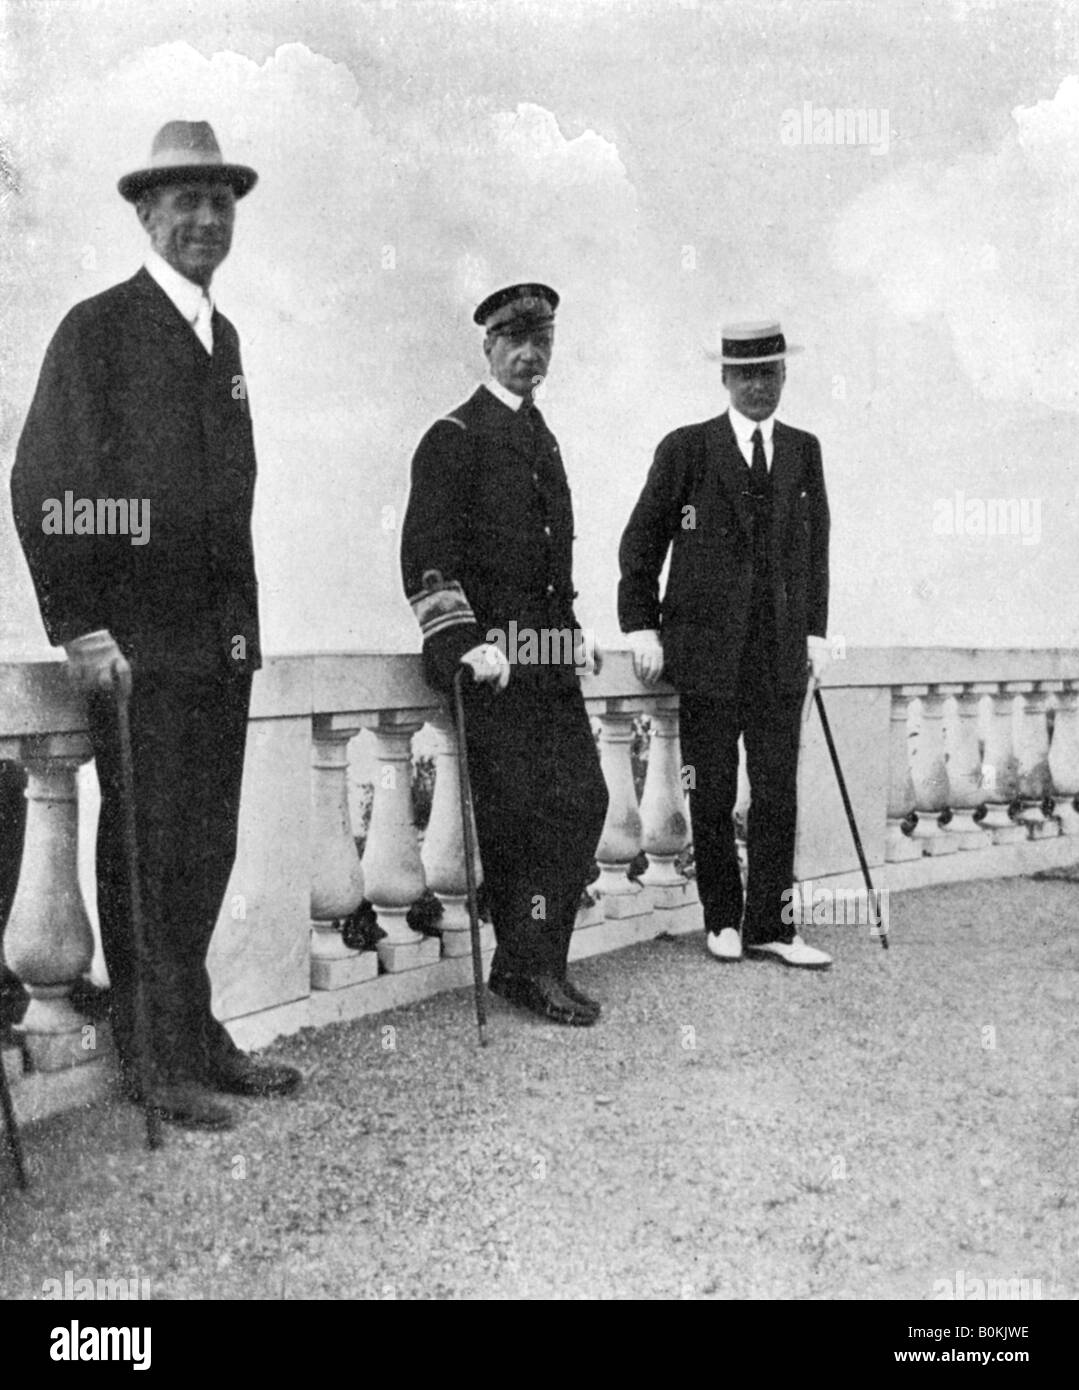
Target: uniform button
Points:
(546, 530)
(550, 588)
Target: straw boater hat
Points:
(743, 343)
(517, 308)
(185, 150)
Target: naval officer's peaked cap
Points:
(517, 308)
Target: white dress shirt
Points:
(743, 432)
(192, 300)
(509, 398)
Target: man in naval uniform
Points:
(739, 501)
(142, 399)
(486, 560)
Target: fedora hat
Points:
(185, 150)
(744, 343)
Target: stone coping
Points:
(35, 697)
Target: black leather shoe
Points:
(189, 1105)
(502, 982)
(578, 996)
(241, 1075)
(543, 995)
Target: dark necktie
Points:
(758, 469)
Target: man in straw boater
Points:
(142, 398)
(739, 501)
(486, 559)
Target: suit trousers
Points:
(769, 719)
(540, 801)
(188, 734)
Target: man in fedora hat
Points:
(740, 503)
(142, 399)
(486, 560)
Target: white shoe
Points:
(794, 952)
(725, 945)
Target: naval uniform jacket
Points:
(130, 405)
(487, 539)
(696, 504)
(486, 545)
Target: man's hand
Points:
(587, 654)
(818, 658)
(647, 652)
(92, 661)
(488, 663)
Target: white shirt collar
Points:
(506, 397)
(743, 427)
(184, 293)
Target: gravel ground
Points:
(725, 1132)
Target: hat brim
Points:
(792, 350)
(239, 177)
(527, 289)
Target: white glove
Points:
(818, 657)
(587, 654)
(93, 658)
(488, 663)
(647, 652)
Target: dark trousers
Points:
(770, 721)
(188, 734)
(540, 801)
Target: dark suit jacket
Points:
(130, 405)
(492, 511)
(704, 616)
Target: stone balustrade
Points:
(959, 764)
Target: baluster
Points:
(898, 844)
(443, 853)
(964, 768)
(662, 808)
(392, 869)
(929, 772)
(48, 943)
(336, 873)
(1001, 770)
(620, 841)
(1064, 757)
(664, 825)
(1032, 754)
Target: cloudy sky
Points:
(666, 166)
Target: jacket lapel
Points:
(177, 335)
(495, 418)
(724, 457)
(785, 474)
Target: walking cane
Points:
(819, 701)
(470, 852)
(14, 1143)
(138, 925)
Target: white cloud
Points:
(988, 245)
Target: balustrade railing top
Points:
(35, 697)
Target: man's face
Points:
(190, 226)
(519, 361)
(756, 387)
